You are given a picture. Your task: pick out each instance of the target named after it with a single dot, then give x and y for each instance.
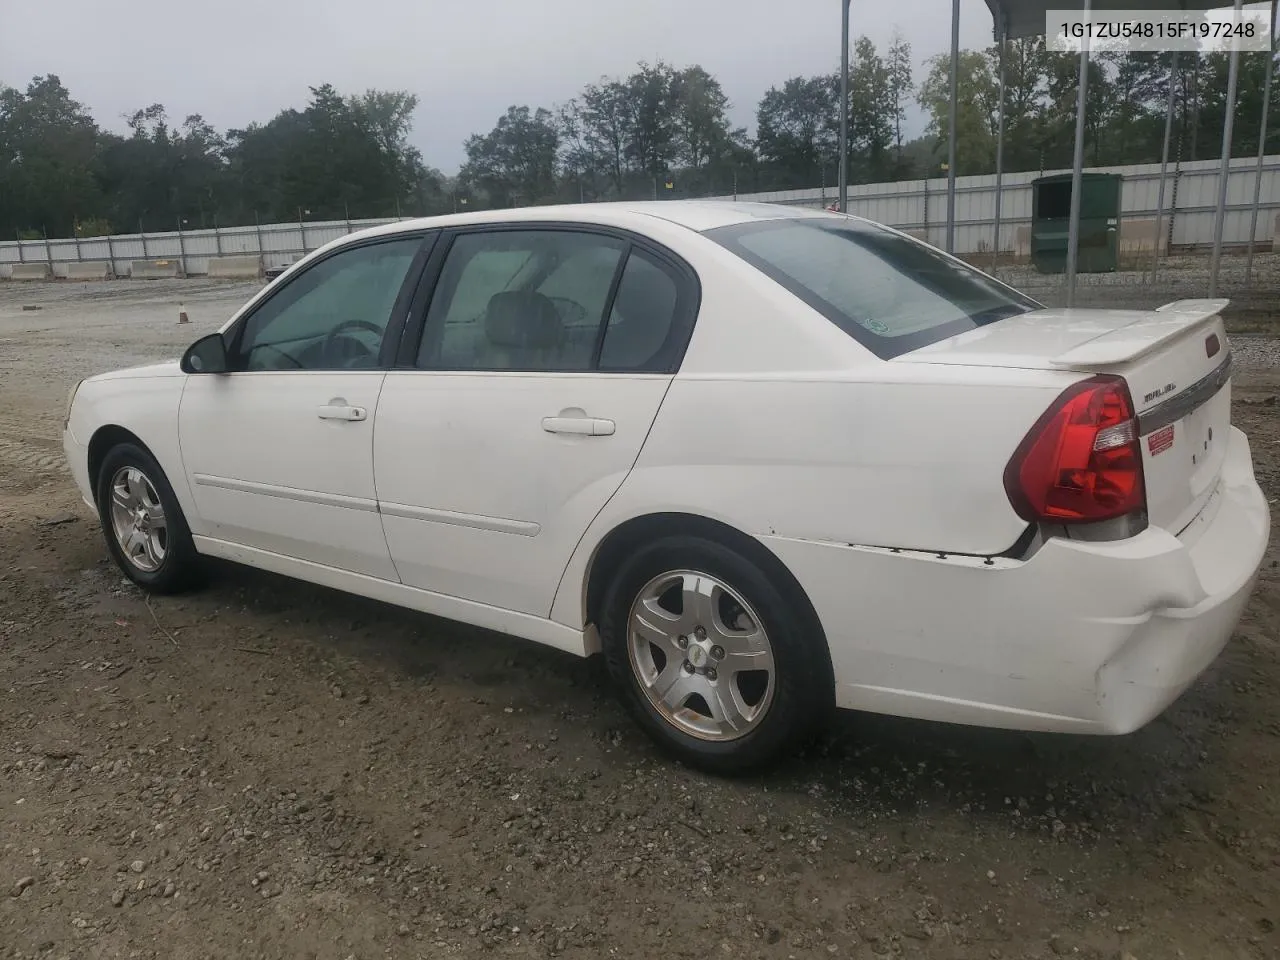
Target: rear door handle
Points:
(582, 426)
(339, 409)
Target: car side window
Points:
(521, 300)
(332, 316)
(640, 335)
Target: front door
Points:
(279, 452)
(544, 360)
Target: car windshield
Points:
(890, 292)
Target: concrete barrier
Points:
(235, 268)
(31, 271)
(155, 269)
(89, 270)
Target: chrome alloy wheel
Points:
(701, 654)
(137, 519)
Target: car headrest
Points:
(522, 319)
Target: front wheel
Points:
(712, 655)
(146, 533)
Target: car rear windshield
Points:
(888, 291)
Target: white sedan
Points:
(767, 461)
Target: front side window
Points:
(521, 300)
(333, 316)
(888, 291)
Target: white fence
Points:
(1190, 199)
(919, 206)
(277, 243)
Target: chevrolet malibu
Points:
(767, 461)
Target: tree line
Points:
(661, 131)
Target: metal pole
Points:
(1262, 150)
(257, 229)
(143, 237)
(1224, 168)
(844, 107)
(954, 117)
(995, 246)
(48, 250)
(75, 232)
(21, 256)
(111, 253)
(1164, 163)
(182, 248)
(1077, 167)
(346, 215)
(302, 231)
(217, 235)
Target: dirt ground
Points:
(268, 769)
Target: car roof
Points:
(698, 215)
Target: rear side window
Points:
(529, 300)
(891, 293)
(552, 299)
(639, 335)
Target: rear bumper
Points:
(1081, 637)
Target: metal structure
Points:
(1262, 145)
(1077, 170)
(1164, 163)
(1017, 19)
(953, 121)
(1233, 73)
(1002, 28)
(1026, 18)
(844, 109)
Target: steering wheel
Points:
(340, 329)
(288, 356)
(574, 313)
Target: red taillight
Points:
(1081, 462)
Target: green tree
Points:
(975, 110)
(651, 111)
(898, 65)
(701, 121)
(871, 106)
(48, 151)
(605, 117)
(515, 163)
(797, 131)
(1025, 93)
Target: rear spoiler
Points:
(1141, 337)
(1201, 308)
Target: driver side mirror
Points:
(206, 355)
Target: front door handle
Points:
(339, 409)
(582, 426)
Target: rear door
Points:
(522, 401)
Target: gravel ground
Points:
(1254, 306)
(268, 769)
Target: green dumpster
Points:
(1099, 222)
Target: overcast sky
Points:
(237, 62)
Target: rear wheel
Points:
(714, 660)
(145, 529)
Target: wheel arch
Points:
(105, 438)
(626, 536)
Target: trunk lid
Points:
(1176, 361)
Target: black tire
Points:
(803, 690)
(180, 568)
